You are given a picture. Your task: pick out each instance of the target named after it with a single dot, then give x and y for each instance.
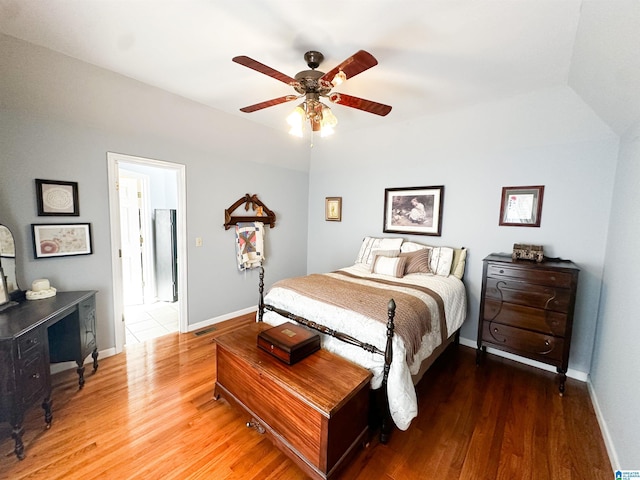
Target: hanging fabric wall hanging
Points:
(249, 230)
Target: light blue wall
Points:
(616, 363)
(58, 120)
(549, 138)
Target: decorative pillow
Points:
(392, 266)
(441, 260)
(382, 253)
(459, 260)
(417, 261)
(365, 255)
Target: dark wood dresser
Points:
(526, 308)
(34, 334)
(315, 411)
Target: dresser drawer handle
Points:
(35, 375)
(501, 271)
(495, 330)
(547, 343)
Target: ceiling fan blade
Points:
(352, 66)
(268, 103)
(262, 68)
(360, 103)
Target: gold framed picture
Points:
(333, 209)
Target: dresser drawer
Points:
(522, 293)
(29, 341)
(537, 276)
(520, 316)
(33, 377)
(538, 346)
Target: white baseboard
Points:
(221, 318)
(62, 366)
(606, 435)
(575, 374)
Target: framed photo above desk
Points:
(61, 240)
(57, 198)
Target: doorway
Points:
(140, 190)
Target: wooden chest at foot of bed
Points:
(315, 411)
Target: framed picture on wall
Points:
(333, 209)
(57, 198)
(415, 210)
(61, 240)
(521, 206)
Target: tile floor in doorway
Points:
(143, 322)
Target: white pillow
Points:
(392, 266)
(459, 259)
(412, 247)
(441, 260)
(369, 244)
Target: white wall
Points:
(616, 364)
(58, 119)
(549, 138)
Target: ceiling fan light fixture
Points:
(327, 122)
(313, 85)
(296, 120)
(339, 78)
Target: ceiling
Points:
(434, 56)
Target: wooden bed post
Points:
(379, 413)
(387, 423)
(261, 290)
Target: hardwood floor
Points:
(149, 414)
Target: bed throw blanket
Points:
(412, 318)
(249, 244)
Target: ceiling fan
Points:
(314, 84)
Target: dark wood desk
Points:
(34, 334)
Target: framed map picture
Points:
(61, 240)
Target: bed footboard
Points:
(384, 420)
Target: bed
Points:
(396, 340)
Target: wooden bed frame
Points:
(379, 414)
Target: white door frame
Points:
(113, 160)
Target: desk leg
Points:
(80, 371)
(46, 405)
(94, 355)
(16, 434)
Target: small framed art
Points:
(61, 240)
(416, 210)
(57, 198)
(333, 209)
(521, 206)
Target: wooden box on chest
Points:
(315, 411)
(526, 308)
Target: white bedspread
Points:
(400, 389)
